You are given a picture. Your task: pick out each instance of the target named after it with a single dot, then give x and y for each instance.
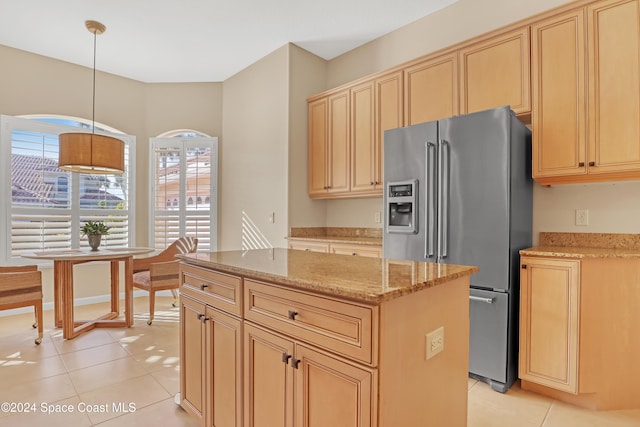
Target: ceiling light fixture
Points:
(88, 152)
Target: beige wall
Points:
(170, 106)
(456, 23)
(253, 177)
(308, 75)
(612, 207)
(34, 84)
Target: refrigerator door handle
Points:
(481, 299)
(430, 202)
(443, 198)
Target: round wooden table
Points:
(63, 262)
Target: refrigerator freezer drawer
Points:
(488, 315)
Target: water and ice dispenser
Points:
(402, 204)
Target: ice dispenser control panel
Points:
(402, 203)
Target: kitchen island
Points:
(283, 337)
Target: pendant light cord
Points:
(93, 110)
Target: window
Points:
(183, 182)
(48, 205)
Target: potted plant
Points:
(94, 231)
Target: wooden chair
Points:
(22, 287)
(160, 272)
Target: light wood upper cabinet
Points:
(329, 149)
(614, 87)
(364, 147)
(338, 143)
(431, 89)
(495, 72)
(389, 100)
(318, 150)
(559, 98)
(586, 86)
(549, 322)
(376, 106)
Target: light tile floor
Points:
(140, 366)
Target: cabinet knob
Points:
(353, 253)
(285, 358)
(202, 317)
(292, 314)
(295, 363)
(592, 163)
(524, 266)
(203, 286)
(581, 164)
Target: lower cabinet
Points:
(579, 328)
(192, 359)
(549, 322)
(287, 383)
(374, 251)
(298, 358)
(210, 376)
(309, 246)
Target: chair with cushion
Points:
(160, 272)
(22, 287)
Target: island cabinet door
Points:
(224, 364)
(268, 379)
(192, 358)
(331, 392)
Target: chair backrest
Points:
(18, 268)
(19, 284)
(184, 245)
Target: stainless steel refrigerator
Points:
(459, 191)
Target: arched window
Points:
(184, 160)
(46, 211)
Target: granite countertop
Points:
(343, 239)
(363, 279)
(350, 235)
(586, 245)
(580, 252)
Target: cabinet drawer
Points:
(218, 290)
(357, 250)
(341, 327)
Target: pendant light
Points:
(88, 152)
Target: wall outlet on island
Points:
(435, 342)
(377, 217)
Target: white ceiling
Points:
(198, 40)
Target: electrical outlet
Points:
(582, 217)
(377, 217)
(435, 342)
(272, 217)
